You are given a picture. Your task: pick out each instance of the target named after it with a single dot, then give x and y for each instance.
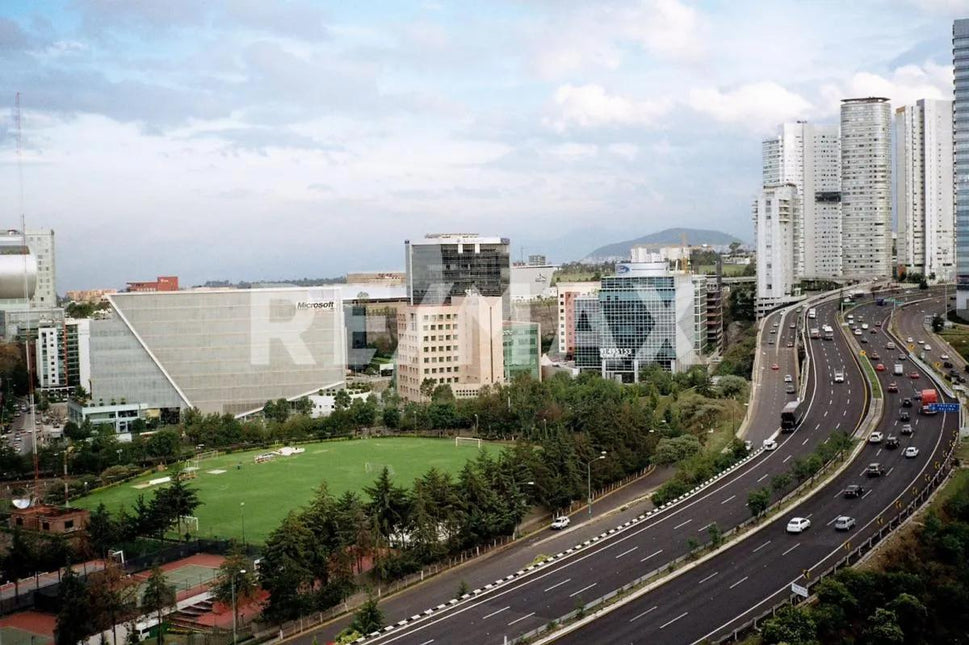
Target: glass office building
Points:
(960, 137)
(643, 315)
(522, 343)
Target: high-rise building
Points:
(77, 352)
(49, 361)
(776, 211)
(523, 349)
(443, 266)
(19, 317)
(923, 189)
(459, 344)
(960, 138)
(643, 315)
(866, 226)
(567, 293)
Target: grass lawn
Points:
(271, 489)
(958, 337)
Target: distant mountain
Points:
(668, 237)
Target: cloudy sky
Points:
(249, 139)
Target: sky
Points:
(256, 140)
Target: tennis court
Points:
(183, 578)
(14, 636)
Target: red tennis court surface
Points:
(27, 628)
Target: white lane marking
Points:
(428, 642)
(651, 555)
(715, 573)
(785, 459)
(792, 548)
(558, 584)
(521, 619)
(831, 402)
(626, 552)
(495, 613)
(762, 546)
(665, 625)
(643, 614)
(738, 582)
(878, 452)
(825, 413)
(705, 527)
(573, 595)
(728, 499)
(845, 413)
(763, 477)
(832, 521)
(889, 471)
(806, 439)
(682, 524)
(817, 426)
(849, 402)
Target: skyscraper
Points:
(923, 189)
(809, 157)
(775, 212)
(960, 137)
(866, 227)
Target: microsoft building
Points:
(224, 351)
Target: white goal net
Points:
(467, 441)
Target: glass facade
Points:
(960, 134)
(442, 267)
(522, 344)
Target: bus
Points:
(828, 332)
(792, 415)
(812, 313)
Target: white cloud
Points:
(627, 151)
(904, 86)
(756, 106)
(571, 151)
(590, 106)
(669, 29)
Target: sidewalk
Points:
(610, 510)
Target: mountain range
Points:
(618, 251)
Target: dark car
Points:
(947, 364)
(906, 402)
(904, 416)
(875, 470)
(891, 442)
(854, 490)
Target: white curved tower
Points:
(18, 267)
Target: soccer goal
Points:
(467, 441)
(191, 523)
(117, 556)
(208, 454)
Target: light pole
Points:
(515, 535)
(588, 468)
(476, 424)
(242, 513)
(232, 583)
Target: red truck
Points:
(928, 398)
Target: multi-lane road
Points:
(713, 599)
(528, 602)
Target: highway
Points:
(716, 597)
(764, 422)
(527, 602)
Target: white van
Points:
(899, 370)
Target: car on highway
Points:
(947, 364)
(874, 331)
(927, 347)
(880, 367)
(906, 402)
(878, 323)
(774, 330)
(839, 377)
(909, 340)
(770, 444)
(891, 442)
(889, 345)
(863, 341)
(788, 378)
(875, 470)
(560, 522)
(798, 525)
(775, 367)
(875, 437)
(892, 387)
(790, 343)
(844, 523)
(874, 356)
(904, 416)
(793, 325)
(790, 389)
(906, 429)
(853, 490)
(920, 342)
(915, 376)
(911, 452)
(944, 357)
(770, 342)
(857, 332)
(864, 325)
(902, 357)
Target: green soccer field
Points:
(271, 489)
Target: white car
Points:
(909, 340)
(770, 444)
(911, 452)
(788, 378)
(843, 523)
(875, 437)
(864, 325)
(560, 522)
(944, 357)
(927, 347)
(857, 332)
(839, 377)
(798, 525)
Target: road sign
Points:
(943, 407)
(799, 590)
(911, 347)
(863, 353)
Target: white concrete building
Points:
(775, 213)
(48, 358)
(866, 187)
(960, 138)
(924, 205)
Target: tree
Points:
(716, 535)
(368, 618)
(675, 449)
(21, 558)
(102, 530)
(178, 499)
(113, 597)
(284, 571)
(236, 584)
(74, 618)
(389, 506)
(158, 596)
(758, 501)
(342, 400)
(791, 626)
(427, 388)
(883, 628)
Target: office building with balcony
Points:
(960, 139)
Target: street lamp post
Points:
(515, 535)
(232, 582)
(242, 512)
(588, 467)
